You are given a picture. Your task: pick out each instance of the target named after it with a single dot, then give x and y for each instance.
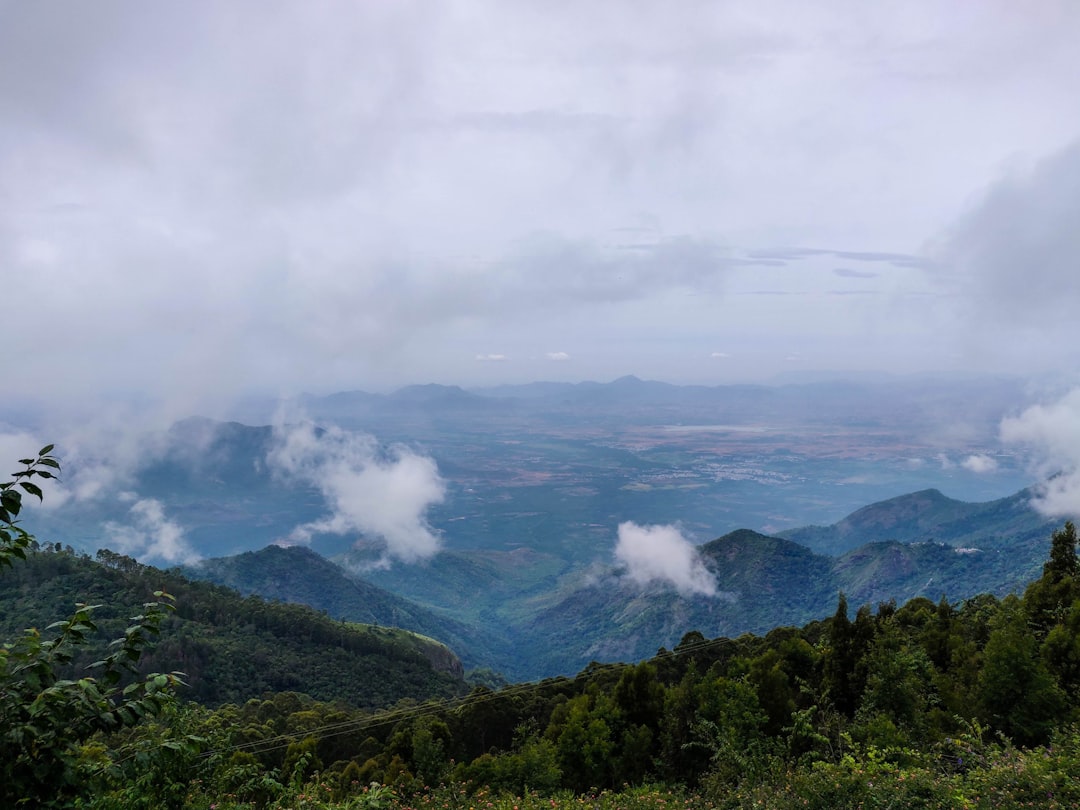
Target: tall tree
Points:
(1051, 596)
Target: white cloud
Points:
(719, 355)
(557, 356)
(1017, 249)
(378, 492)
(151, 536)
(661, 553)
(1010, 267)
(979, 463)
(380, 184)
(491, 358)
(1052, 432)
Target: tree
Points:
(840, 659)
(1050, 597)
(1016, 692)
(44, 718)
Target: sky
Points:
(204, 200)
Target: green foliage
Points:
(922, 705)
(1050, 597)
(1016, 692)
(230, 647)
(45, 718)
(14, 539)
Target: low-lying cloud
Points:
(150, 536)
(1052, 432)
(979, 463)
(662, 554)
(379, 493)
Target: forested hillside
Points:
(967, 704)
(231, 648)
(299, 575)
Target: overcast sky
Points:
(202, 199)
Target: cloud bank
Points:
(1052, 433)
(199, 199)
(150, 536)
(382, 494)
(1010, 264)
(979, 463)
(662, 554)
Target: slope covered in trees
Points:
(299, 575)
(932, 704)
(928, 704)
(231, 648)
(972, 704)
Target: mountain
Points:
(231, 648)
(528, 614)
(297, 574)
(764, 582)
(930, 516)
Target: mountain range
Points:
(523, 488)
(509, 612)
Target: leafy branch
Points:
(14, 539)
(45, 718)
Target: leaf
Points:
(49, 462)
(26, 461)
(11, 501)
(33, 489)
(45, 474)
(44, 451)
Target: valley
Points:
(536, 481)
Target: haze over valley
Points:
(552, 524)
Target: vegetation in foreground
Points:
(969, 705)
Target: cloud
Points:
(557, 356)
(1013, 255)
(383, 493)
(1052, 433)
(99, 456)
(491, 358)
(661, 553)
(845, 272)
(720, 355)
(979, 463)
(150, 536)
(380, 184)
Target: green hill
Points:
(527, 615)
(297, 574)
(231, 647)
(929, 516)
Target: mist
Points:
(150, 536)
(662, 554)
(1051, 433)
(372, 492)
